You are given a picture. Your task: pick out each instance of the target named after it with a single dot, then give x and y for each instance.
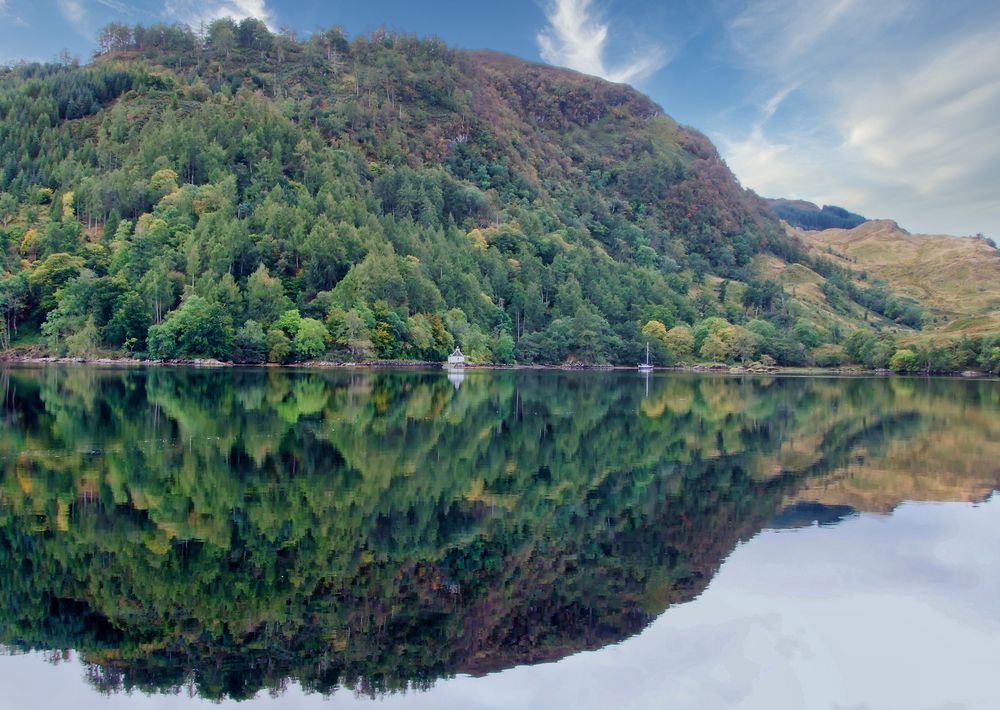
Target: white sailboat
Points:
(646, 366)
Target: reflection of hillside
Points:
(233, 529)
(951, 453)
(931, 469)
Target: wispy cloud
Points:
(72, 10)
(194, 12)
(895, 111)
(11, 19)
(797, 36)
(577, 38)
(122, 8)
(932, 126)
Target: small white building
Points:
(456, 359)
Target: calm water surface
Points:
(177, 538)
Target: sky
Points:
(887, 108)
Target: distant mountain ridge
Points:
(807, 215)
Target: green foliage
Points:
(654, 330)
(990, 359)
(679, 343)
(163, 182)
(279, 347)
(761, 295)
(311, 339)
(840, 290)
(807, 333)
(265, 297)
(830, 358)
(84, 341)
(904, 361)
(49, 275)
(350, 331)
(809, 216)
(933, 357)
(714, 348)
(289, 322)
(13, 295)
(504, 350)
(198, 329)
(130, 323)
(869, 349)
(250, 344)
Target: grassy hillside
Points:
(955, 279)
(934, 297)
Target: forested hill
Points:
(249, 196)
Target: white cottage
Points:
(456, 359)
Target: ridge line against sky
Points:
(885, 108)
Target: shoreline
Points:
(13, 359)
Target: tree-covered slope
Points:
(249, 196)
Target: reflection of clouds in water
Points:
(892, 611)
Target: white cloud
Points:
(72, 10)
(895, 117)
(933, 126)
(194, 12)
(800, 166)
(575, 38)
(3, 5)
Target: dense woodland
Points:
(252, 197)
(225, 531)
(806, 215)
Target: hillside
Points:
(955, 279)
(247, 196)
(935, 297)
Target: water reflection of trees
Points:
(375, 530)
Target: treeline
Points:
(876, 298)
(881, 351)
(808, 216)
(247, 196)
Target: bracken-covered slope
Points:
(956, 279)
(248, 196)
(937, 296)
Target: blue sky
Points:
(888, 108)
